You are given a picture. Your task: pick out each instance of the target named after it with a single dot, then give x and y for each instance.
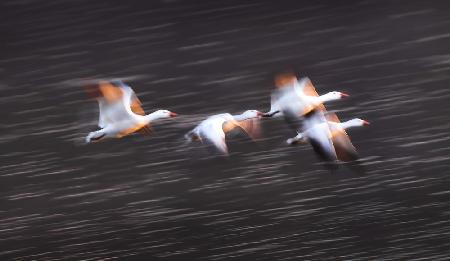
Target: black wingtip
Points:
(268, 115)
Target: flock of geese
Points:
(121, 114)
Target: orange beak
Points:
(173, 114)
(366, 122)
(343, 94)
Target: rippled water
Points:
(156, 198)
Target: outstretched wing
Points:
(135, 103)
(285, 80)
(306, 87)
(116, 102)
(251, 127)
(319, 135)
(102, 120)
(291, 98)
(303, 86)
(212, 133)
(109, 99)
(343, 146)
(286, 100)
(132, 102)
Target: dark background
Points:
(154, 197)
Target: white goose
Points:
(295, 98)
(328, 137)
(213, 129)
(121, 113)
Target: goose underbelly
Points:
(131, 130)
(127, 127)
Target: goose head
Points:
(159, 114)
(334, 95)
(164, 114)
(360, 122)
(252, 114)
(357, 122)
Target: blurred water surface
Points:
(156, 198)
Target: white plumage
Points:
(120, 111)
(213, 129)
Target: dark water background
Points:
(151, 198)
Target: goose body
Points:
(328, 137)
(213, 129)
(317, 133)
(120, 111)
(296, 98)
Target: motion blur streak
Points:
(148, 198)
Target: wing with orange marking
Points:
(146, 130)
(319, 135)
(343, 146)
(308, 89)
(291, 96)
(229, 126)
(285, 80)
(93, 90)
(106, 94)
(115, 99)
(251, 127)
(110, 92)
(104, 90)
(136, 105)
